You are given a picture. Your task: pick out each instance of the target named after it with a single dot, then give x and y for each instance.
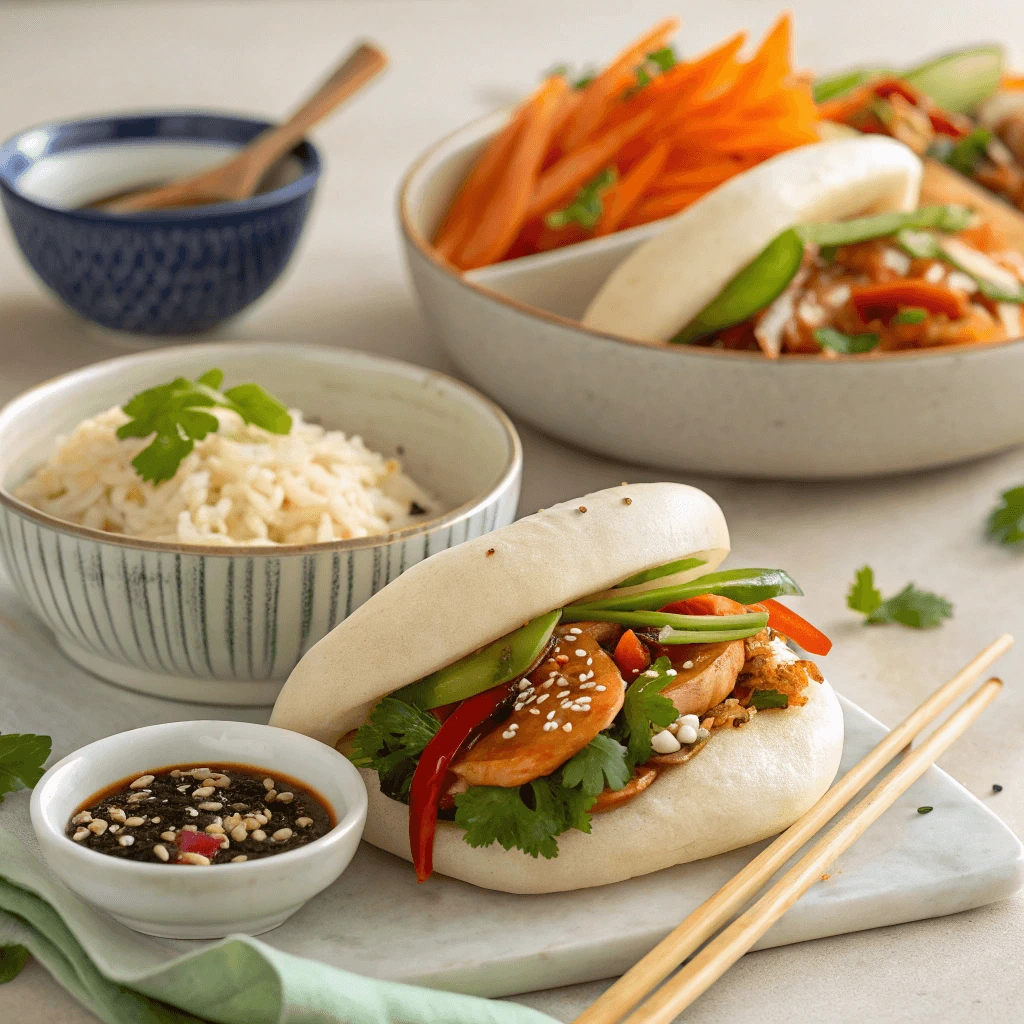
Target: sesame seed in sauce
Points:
(651, 673)
(551, 714)
(142, 782)
(687, 664)
(567, 727)
(507, 734)
(671, 672)
(543, 697)
(580, 653)
(564, 693)
(600, 689)
(534, 711)
(576, 631)
(590, 661)
(549, 726)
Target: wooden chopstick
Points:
(729, 945)
(711, 915)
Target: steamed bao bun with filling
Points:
(531, 713)
(820, 250)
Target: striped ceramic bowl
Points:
(225, 625)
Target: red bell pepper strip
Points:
(437, 756)
(797, 628)
(631, 656)
(874, 299)
(198, 842)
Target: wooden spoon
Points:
(240, 176)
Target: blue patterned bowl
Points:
(165, 272)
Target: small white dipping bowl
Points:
(514, 330)
(225, 625)
(185, 902)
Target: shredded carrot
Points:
(670, 139)
(469, 201)
(628, 189)
(504, 214)
(1012, 82)
(573, 171)
(605, 87)
(889, 296)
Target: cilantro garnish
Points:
(919, 609)
(528, 818)
(587, 207)
(845, 344)
(601, 762)
(21, 760)
(656, 63)
(174, 413)
(581, 81)
(643, 707)
(910, 315)
(969, 151)
(390, 743)
(12, 959)
(1006, 521)
(765, 699)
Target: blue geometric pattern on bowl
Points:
(164, 272)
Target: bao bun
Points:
(746, 784)
(667, 281)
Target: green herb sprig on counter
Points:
(175, 414)
(22, 756)
(918, 609)
(1006, 520)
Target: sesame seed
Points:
(580, 653)
(303, 822)
(135, 821)
(651, 673)
(168, 836)
(214, 830)
(125, 840)
(583, 677)
(600, 689)
(524, 684)
(551, 714)
(564, 693)
(576, 631)
(161, 852)
(203, 791)
(194, 858)
(268, 784)
(80, 834)
(192, 812)
(141, 782)
(534, 711)
(549, 726)
(201, 773)
(259, 835)
(687, 664)
(507, 734)
(240, 859)
(627, 501)
(490, 551)
(583, 508)
(567, 727)
(543, 697)
(282, 835)
(210, 805)
(671, 672)
(562, 659)
(97, 826)
(82, 818)
(590, 661)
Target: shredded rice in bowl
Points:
(240, 485)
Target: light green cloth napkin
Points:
(125, 978)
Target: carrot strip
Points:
(503, 216)
(872, 299)
(709, 174)
(656, 207)
(628, 189)
(574, 170)
(610, 82)
(467, 205)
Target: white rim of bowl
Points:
(344, 824)
(513, 465)
(422, 244)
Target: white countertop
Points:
(347, 286)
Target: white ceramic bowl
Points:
(195, 902)
(225, 625)
(512, 330)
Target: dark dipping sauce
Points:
(199, 815)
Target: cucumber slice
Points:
(863, 229)
(669, 569)
(709, 625)
(959, 81)
(757, 285)
(500, 662)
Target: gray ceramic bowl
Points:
(225, 625)
(514, 330)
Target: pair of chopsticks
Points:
(731, 943)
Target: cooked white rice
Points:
(240, 485)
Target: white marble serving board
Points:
(375, 920)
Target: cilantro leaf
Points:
(12, 959)
(863, 597)
(644, 707)
(564, 71)
(919, 609)
(970, 151)
(390, 743)
(1006, 521)
(173, 412)
(601, 762)
(22, 756)
(587, 207)
(654, 64)
(528, 818)
(845, 344)
(765, 699)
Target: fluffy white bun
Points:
(461, 599)
(667, 281)
(745, 785)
